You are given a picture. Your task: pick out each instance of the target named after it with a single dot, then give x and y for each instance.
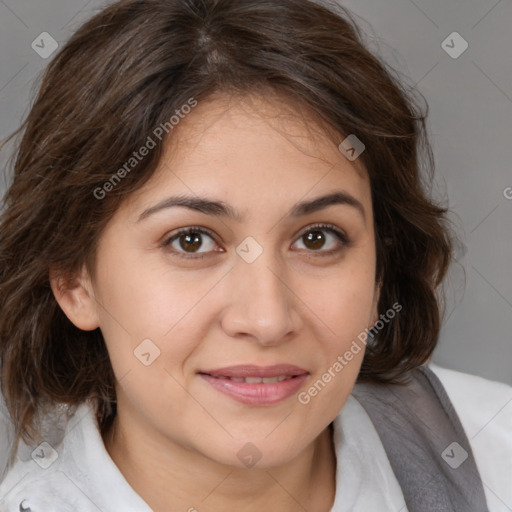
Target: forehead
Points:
(253, 151)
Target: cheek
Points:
(343, 301)
(340, 312)
(143, 296)
(140, 301)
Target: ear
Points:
(76, 299)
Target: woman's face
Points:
(259, 277)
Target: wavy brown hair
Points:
(126, 71)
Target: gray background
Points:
(470, 124)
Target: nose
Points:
(261, 305)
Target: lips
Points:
(257, 385)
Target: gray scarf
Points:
(425, 443)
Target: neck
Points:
(195, 483)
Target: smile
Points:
(257, 391)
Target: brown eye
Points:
(314, 239)
(323, 239)
(191, 241)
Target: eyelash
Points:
(342, 237)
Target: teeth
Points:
(257, 380)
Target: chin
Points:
(258, 454)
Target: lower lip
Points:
(259, 393)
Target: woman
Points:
(217, 226)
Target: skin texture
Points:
(175, 438)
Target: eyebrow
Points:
(222, 209)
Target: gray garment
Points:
(425, 443)
(6, 437)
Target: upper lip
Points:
(250, 370)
